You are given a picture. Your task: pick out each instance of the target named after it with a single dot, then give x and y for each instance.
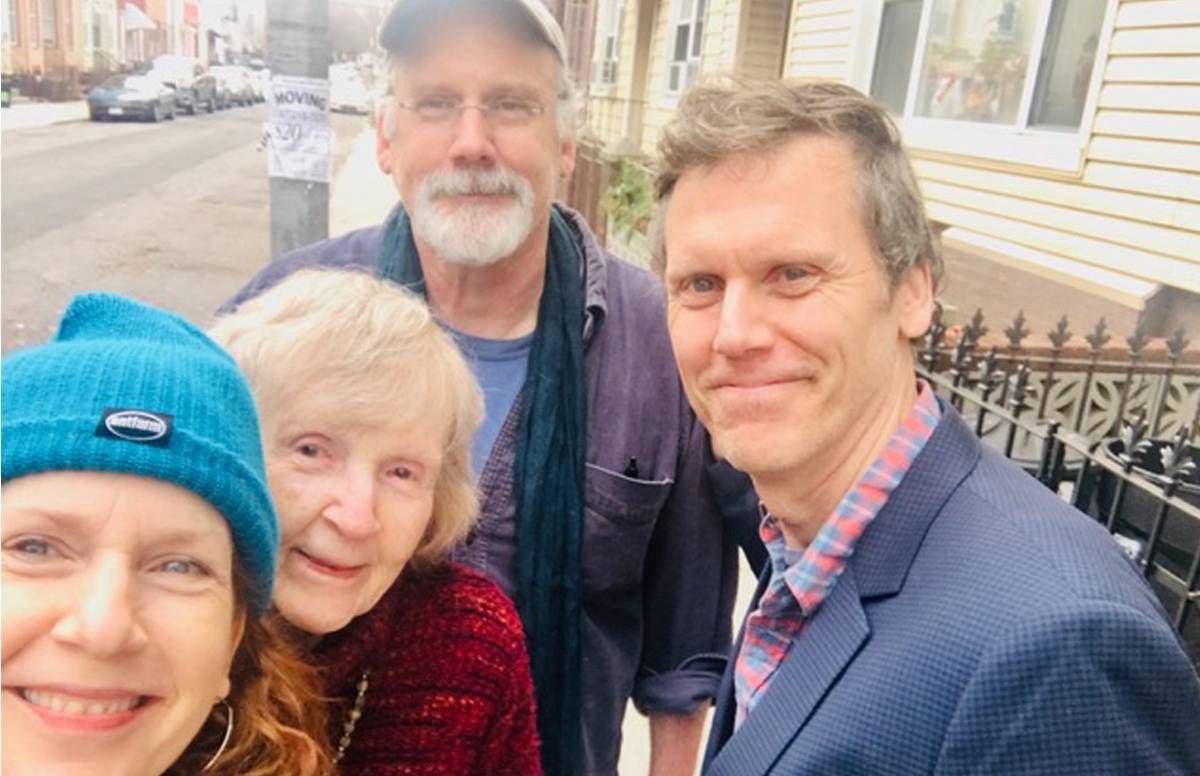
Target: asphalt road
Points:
(176, 214)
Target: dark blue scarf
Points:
(547, 482)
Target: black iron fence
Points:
(1112, 432)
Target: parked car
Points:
(260, 78)
(234, 83)
(195, 89)
(222, 101)
(135, 96)
(347, 92)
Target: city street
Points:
(174, 213)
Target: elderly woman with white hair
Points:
(368, 412)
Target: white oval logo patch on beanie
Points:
(142, 426)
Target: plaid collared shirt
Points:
(801, 579)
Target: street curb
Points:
(52, 113)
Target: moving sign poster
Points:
(299, 139)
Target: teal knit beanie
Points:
(125, 387)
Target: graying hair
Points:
(717, 120)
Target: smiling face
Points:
(354, 498)
(119, 622)
(477, 187)
(792, 348)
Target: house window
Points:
(609, 18)
(11, 30)
(975, 71)
(49, 23)
(686, 42)
(894, 56)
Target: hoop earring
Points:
(225, 740)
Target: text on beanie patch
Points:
(141, 426)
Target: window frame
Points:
(610, 18)
(1021, 144)
(692, 57)
(48, 21)
(12, 25)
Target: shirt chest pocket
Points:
(620, 514)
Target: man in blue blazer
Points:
(927, 606)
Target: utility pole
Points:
(300, 144)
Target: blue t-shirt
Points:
(500, 367)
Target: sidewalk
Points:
(22, 115)
(361, 195)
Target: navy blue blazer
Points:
(982, 626)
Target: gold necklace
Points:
(352, 717)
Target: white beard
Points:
(474, 235)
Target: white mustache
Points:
(450, 183)
(474, 234)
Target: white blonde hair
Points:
(372, 349)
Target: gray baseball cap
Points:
(407, 20)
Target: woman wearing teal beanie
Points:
(138, 556)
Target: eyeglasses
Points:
(502, 111)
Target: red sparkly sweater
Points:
(449, 687)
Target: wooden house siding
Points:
(740, 36)
(606, 116)
(819, 39)
(762, 38)
(1127, 219)
(721, 31)
(608, 105)
(658, 108)
(1134, 210)
(1131, 211)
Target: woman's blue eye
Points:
(38, 547)
(181, 566)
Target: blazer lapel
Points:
(726, 711)
(890, 544)
(840, 627)
(813, 664)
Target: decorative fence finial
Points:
(1177, 463)
(1138, 340)
(975, 331)
(1059, 336)
(1017, 332)
(1177, 343)
(1134, 437)
(1099, 337)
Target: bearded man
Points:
(598, 512)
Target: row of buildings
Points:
(1057, 141)
(53, 47)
